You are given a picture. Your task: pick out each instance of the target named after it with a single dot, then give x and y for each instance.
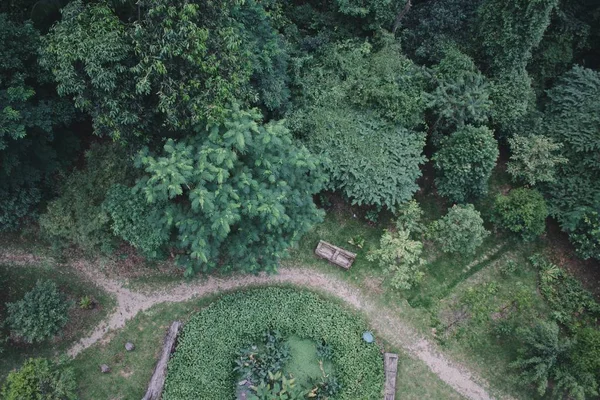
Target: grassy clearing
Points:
(15, 281)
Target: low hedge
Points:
(202, 366)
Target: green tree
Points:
(571, 118)
(400, 257)
(177, 65)
(464, 163)
(522, 211)
(239, 193)
(460, 231)
(40, 379)
(546, 357)
(533, 159)
(34, 141)
(514, 98)
(374, 157)
(40, 315)
(511, 29)
(462, 93)
(409, 217)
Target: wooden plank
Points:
(157, 382)
(334, 254)
(391, 369)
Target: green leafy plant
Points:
(408, 217)
(373, 215)
(86, 303)
(324, 351)
(277, 386)
(460, 231)
(464, 163)
(522, 211)
(257, 363)
(40, 315)
(357, 241)
(400, 257)
(39, 378)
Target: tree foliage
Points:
(357, 103)
(238, 193)
(511, 29)
(34, 143)
(533, 159)
(40, 379)
(400, 257)
(522, 211)
(464, 163)
(572, 119)
(460, 231)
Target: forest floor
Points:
(385, 321)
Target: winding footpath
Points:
(383, 320)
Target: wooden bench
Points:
(391, 368)
(335, 255)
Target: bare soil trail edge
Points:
(381, 319)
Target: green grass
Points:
(15, 281)
(304, 363)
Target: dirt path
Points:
(383, 320)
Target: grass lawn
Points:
(15, 281)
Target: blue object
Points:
(368, 337)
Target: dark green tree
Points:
(239, 193)
(464, 163)
(522, 211)
(511, 29)
(572, 118)
(34, 140)
(460, 231)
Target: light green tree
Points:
(464, 163)
(460, 231)
(534, 159)
(400, 257)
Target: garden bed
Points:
(202, 365)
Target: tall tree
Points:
(572, 118)
(464, 163)
(34, 139)
(511, 29)
(237, 193)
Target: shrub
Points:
(409, 217)
(40, 314)
(135, 220)
(76, 216)
(400, 257)
(464, 163)
(40, 379)
(571, 304)
(459, 231)
(212, 338)
(257, 363)
(522, 211)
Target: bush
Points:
(400, 257)
(464, 163)
(409, 217)
(211, 340)
(40, 379)
(135, 220)
(522, 211)
(459, 231)
(533, 158)
(40, 315)
(76, 216)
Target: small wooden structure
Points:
(157, 382)
(391, 368)
(335, 255)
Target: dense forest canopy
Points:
(228, 116)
